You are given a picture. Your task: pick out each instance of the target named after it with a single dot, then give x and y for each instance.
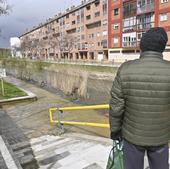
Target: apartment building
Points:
(129, 20)
(79, 33)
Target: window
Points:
(104, 8)
(88, 7)
(82, 28)
(116, 26)
(91, 36)
(129, 8)
(164, 1)
(145, 21)
(78, 29)
(104, 22)
(129, 39)
(88, 17)
(116, 11)
(163, 17)
(82, 15)
(67, 16)
(73, 22)
(78, 19)
(97, 3)
(104, 43)
(98, 34)
(94, 25)
(97, 14)
(115, 40)
(104, 33)
(82, 37)
(139, 36)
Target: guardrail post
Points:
(60, 125)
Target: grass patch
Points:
(11, 91)
(40, 65)
(88, 68)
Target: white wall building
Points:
(15, 44)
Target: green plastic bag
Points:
(115, 160)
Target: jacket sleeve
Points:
(116, 110)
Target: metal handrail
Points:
(60, 111)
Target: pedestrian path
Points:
(15, 149)
(7, 158)
(72, 152)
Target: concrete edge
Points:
(30, 96)
(8, 153)
(102, 140)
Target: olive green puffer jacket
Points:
(140, 100)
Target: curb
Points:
(8, 155)
(31, 96)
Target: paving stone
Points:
(40, 148)
(27, 159)
(51, 142)
(24, 152)
(93, 166)
(7, 154)
(55, 165)
(10, 130)
(16, 139)
(78, 165)
(2, 162)
(80, 155)
(20, 145)
(54, 158)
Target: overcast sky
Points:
(28, 13)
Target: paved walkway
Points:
(72, 152)
(10, 136)
(33, 116)
(28, 124)
(54, 152)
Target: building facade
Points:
(129, 20)
(103, 30)
(80, 33)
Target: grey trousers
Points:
(158, 157)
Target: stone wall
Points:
(77, 84)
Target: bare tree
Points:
(25, 46)
(4, 7)
(68, 42)
(29, 47)
(65, 43)
(61, 44)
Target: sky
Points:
(28, 13)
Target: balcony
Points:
(93, 24)
(45, 37)
(104, 43)
(146, 8)
(145, 26)
(129, 13)
(129, 44)
(82, 46)
(129, 28)
(56, 34)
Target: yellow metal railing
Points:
(60, 111)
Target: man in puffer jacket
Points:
(140, 104)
